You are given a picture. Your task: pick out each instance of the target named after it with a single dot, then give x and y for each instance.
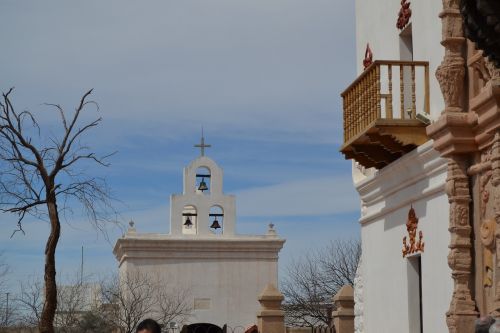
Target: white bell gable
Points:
(200, 204)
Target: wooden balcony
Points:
(385, 110)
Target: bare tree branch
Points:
(136, 296)
(313, 279)
(37, 178)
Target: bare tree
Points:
(129, 298)
(314, 278)
(30, 302)
(133, 297)
(78, 302)
(172, 304)
(7, 306)
(41, 171)
(74, 299)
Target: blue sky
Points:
(262, 77)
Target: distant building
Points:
(223, 271)
(74, 301)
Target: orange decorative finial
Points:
(413, 246)
(368, 60)
(403, 15)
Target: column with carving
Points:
(462, 313)
(451, 72)
(495, 181)
(451, 76)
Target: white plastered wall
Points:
(223, 277)
(229, 288)
(390, 302)
(376, 25)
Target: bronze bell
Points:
(188, 223)
(215, 225)
(203, 185)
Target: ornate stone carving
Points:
(483, 68)
(451, 72)
(413, 246)
(487, 234)
(495, 182)
(368, 60)
(492, 69)
(404, 15)
(484, 179)
(450, 75)
(461, 315)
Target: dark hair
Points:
(482, 325)
(150, 325)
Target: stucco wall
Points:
(390, 295)
(376, 24)
(223, 276)
(228, 288)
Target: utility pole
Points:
(81, 269)
(6, 310)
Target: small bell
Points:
(188, 224)
(215, 225)
(203, 185)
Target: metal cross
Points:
(202, 145)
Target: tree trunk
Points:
(50, 303)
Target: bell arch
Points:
(189, 220)
(203, 180)
(216, 217)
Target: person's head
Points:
(148, 326)
(495, 328)
(482, 325)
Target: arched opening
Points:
(203, 180)
(189, 220)
(216, 218)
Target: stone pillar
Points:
(343, 316)
(454, 138)
(462, 312)
(270, 318)
(495, 181)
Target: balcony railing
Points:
(385, 101)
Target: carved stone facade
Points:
(468, 134)
(462, 313)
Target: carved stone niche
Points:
(484, 231)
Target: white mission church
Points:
(223, 271)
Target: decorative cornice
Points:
(453, 133)
(468, 132)
(421, 164)
(382, 183)
(209, 248)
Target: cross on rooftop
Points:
(202, 145)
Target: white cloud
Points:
(318, 196)
(255, 69)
